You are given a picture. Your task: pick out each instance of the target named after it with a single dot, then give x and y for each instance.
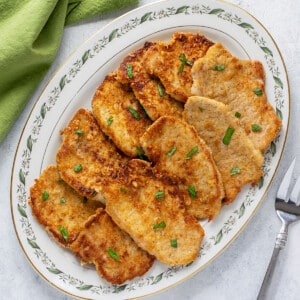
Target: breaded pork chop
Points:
(119, 114)
(171, 62)
(116, 256)
(152, 212)
(238, 161)
(175, 148)
(87, 160)
(240, 84)
(148, 90)
(58, 207)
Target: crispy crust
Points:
(146, 88)
(235, 86)
(199, 171)
(133, 205)
(211, 120)
(52, 214)
(162, 60)
(99, 236)
(99, 158)
(111, 102)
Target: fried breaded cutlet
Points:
(119, 114)
(152, 212)
(175, 148)
(237, 159)
(87, 160)
(171, 62)
(148, 90)
(83, 226)
(116, 256)
(239, 84)
(58, 207)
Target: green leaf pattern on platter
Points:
(55, 95)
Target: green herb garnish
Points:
(140, 152)
(255, 127)
(85, 200)
(45, 195)
(184, 62)
(77, 168)
(160, 89)
(228, 135)
(192, 152)
(134, 113)
(159, 194)
(192, 191)
(219, 68)
(235, 170)
(257, 91)
(237, 114)
(124, 190)
(113, 254)
(64, 233)
(129, 71)
(109, 120)
(79, 132)
(171, 151)
(174, 243)
(63, 200)
(162, 224)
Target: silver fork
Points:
(288, 211)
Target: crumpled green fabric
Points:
(30, 34)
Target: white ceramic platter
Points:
(73, 86)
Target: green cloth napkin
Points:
(30, 34)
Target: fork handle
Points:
(268, 275)
(281, 240)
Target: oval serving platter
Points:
(73, 86)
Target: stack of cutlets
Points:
(174, 133)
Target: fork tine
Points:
(296, 191)
(284, 186)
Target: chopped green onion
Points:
(60, 180)
(192, 152)
(45, 195)
(94, 193)
(79, 132)
(63, 200)
(162, 224)
(85, 200)
(159, 194)
(109, 120)
(134, 113)
(171, 151)
(129, 71)
(201, 109)
(255, 127)
(77, 168)
(235, 170)
(219, 68)
(160, 89)
(64, 233)
(113, 254)
(124, 190)
(140, 152)
(184, 62)
(192, 191)
(237, 114)
(143, 111)
(228, 135)
(174, 243)
(257, 91)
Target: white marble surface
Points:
(238, 272)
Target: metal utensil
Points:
(288, 211)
